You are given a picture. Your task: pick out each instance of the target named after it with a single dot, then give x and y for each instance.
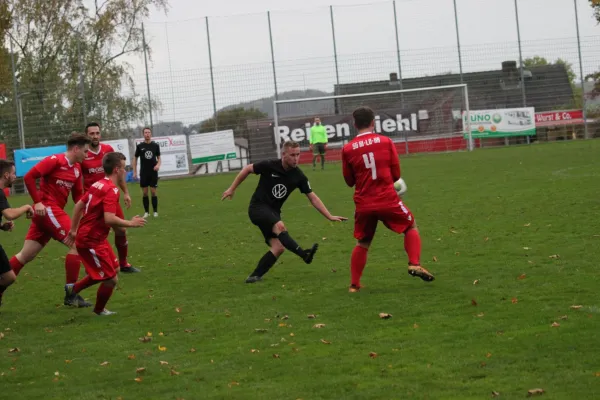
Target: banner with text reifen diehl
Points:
(554, 118)
(173, 154)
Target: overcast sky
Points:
(365, 40)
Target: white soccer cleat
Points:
(155, 215)
(105, 312)
(146, 215)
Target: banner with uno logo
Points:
(25, 159)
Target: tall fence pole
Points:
(212, 79)
(401, 85)
(337, 73)
(16, 96)
(272, 53)
(458, 42)
(147, 75)
(81, 80)
(586, 135)
(170, 71)
(521, 60)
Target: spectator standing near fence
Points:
(318, 142)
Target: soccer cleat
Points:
(74, 299)
(130, 269)
(417, 270)
(155, 214)
(310, 254)
(105, 312)
(253, 279)
(354, 289)
(146, 215)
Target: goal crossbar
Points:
(345, 96)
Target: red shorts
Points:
(100, 262)
(56, 225)
(397, 219)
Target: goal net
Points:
(418, 120)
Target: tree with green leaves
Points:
(537, 61)
(60, 41)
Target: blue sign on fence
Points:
(25, 159)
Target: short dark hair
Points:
(363, 116)
(6, 166)
(77, 139)
(112, 160)
(146, 127)
(91, 124)
(290, 144)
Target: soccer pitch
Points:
(511, 235)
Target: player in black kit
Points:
(278, 179)
(149, 153)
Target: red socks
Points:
(102, 297)
(15, 265)
(412, 245)
(72, 266)
(121, 244)
(357, 264)
(85, 283)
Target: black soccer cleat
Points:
(74, 299)
(253, 279)
(417, 270)
(130, 269)
(310, 254)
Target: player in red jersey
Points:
(59, 175)
(93, 217)
(92, 173)
(370, 164)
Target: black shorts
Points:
(149, 179)
(264, 217)
(4, 263)
(319, 148)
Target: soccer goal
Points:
(427, 119)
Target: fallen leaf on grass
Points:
(189, 330)
(476, 281)
(285, 317)
(555, 325)
(145, 339)
(1, 335)
(435, 259)
(318, 325)
(526, 248)
(334, 270)
(164, 363)
(488, 355)
(576, 307)
(373, 355)
(522, 276)
(480, 315)
(597, 374)
(234, 383)
(534, 392)
(486, 239)
(178, 310)
(161, 334)
(48, 330)
(282, 325)
(325, 341)
(563, 317)
(555, 256)
(14, 350)
(514, 300)
(162, 348)
(131, 357)
(140, 370)
(138, 379)
(254, 351)
(104, 364)
(415, 326)
(192, 350)
(527, 224)
(495, 394)
(57, 373)
(173, 372)
(473, 302)
(276, 356)
(385, 315)
(68, 361)
(311, 316)
(292, 334)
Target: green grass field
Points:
(493, 216)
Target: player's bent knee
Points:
(364, 243)
(8, 278)
(279, 227)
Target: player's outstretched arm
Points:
(112, 220)
(14, 213)
(247, 170)
(318, 204)
(43, 168)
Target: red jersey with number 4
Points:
(370, 164)
(102, 196)
(58, 177)
(92, 165)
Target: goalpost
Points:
(434, 116)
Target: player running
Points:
(7, 178)
(150, 161)
(278, 179)
(93, 217)
(59, 175)
(92, 173)
(370, 164)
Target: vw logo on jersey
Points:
(148, 155)
(279, 191)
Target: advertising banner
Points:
(120, 146)
(25, 159)
(173, 155)
(501, 122)
(212, 146)
(554, 118)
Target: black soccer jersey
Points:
(3, 203)
(276, 184)
(147, 152)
